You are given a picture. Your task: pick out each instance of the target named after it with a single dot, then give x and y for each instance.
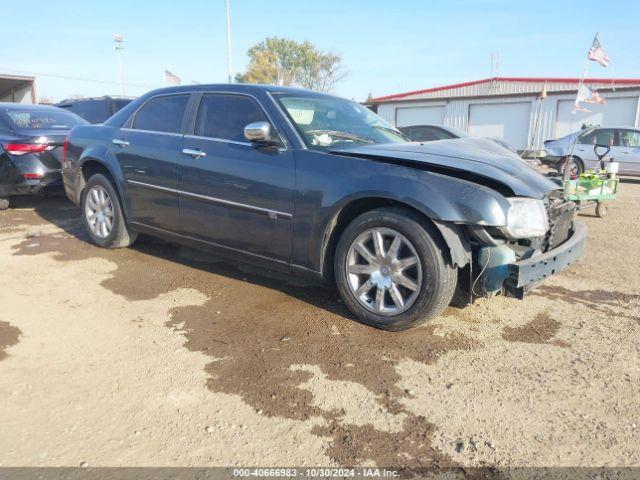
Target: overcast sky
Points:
(387, 46)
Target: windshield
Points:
(325, 122)
(49, 119)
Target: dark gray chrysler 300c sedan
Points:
(320, 186)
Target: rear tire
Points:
(102, 214)
(576, 167)
(410, 295)
(4, 203)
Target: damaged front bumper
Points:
(525, 274)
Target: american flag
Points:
(597, 53)
(171, 78)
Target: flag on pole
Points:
(597, 53)
(171, 78)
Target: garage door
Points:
(407, 116)
(619, 112)
(508, 121)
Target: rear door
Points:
(235, 194)
(629, 151)
(148, 152)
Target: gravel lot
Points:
(159, 355)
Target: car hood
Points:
(472, 159)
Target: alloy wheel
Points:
(384, 271)
(99, 211)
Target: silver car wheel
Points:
(98, 210)
(384, 272)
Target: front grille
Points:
(561, 213)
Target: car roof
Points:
(104, 97)
(240, 88)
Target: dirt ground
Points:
(159, 355)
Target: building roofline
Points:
(398, 96)
(26, 78)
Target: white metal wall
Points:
(19, 95)
(542, 126)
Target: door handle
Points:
(120, 143)
(194, 153)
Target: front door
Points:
(148, 153)
(235, 194)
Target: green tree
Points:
(281, 61)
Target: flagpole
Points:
(229, 69)
(585, 71)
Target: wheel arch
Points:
(574, 157)
(91, 166)
(451, 235)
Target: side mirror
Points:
(259, 132)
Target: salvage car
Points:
(31, 140)
(623, 141)
(320, 186)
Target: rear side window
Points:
(629, 138)
(161, 114)
(225, 116)
(93, 111)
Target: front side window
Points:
(629, 138)
(224, 116)
(326, 122)
(162, 114)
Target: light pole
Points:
(229, 74)
(119, 47)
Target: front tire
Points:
(4, 203)
(102, 214)
(392, 271)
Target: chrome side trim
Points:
(206, 198)
(221, 140)
(306, 269)
(213, 244)
(168, 134)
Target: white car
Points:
(624, 143)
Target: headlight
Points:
(526, 218)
